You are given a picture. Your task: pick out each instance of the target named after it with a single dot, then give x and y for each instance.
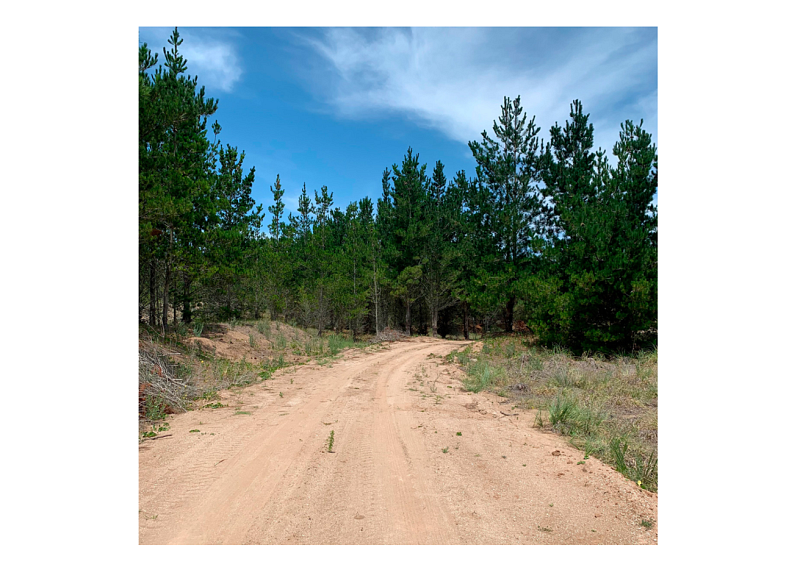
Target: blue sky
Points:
(336, 106)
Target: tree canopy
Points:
(548, 234)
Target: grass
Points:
(561, 412)
(330, 442)
(265, 328)
(269, 367)
(201, 373)
(606, 406)
(482, 375)
(338, 343)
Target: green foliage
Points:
(644, 471)
(155, 408)
(507, 176)
(618, 449)
(481, 375)
(561, 412)
(154, 430)
(552, 234)
(330, 442)
(597, 288)
(269, 367)
(337, 343)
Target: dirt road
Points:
(258, 470)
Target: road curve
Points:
(258, 471)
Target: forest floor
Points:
(380, 445)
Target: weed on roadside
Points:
(154, 430)
(561, 411)
(265, 328)
(330, 442)
(592, 399)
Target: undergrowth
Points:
(607, 406)
(176, 372)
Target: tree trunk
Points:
(166, 294)
(466, 320)
(153, 298)
(434, 322)
(408, 316)
(186, 316)
(509, 314)
(377, 328)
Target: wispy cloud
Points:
(211, 54)
(454, 79)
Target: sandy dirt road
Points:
(264, 475)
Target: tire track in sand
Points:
(266, 478)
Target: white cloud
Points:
(454, 79)
(211, 54)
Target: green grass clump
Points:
(269, 367)
(606, 405)
(618, 449)
(265, 328)
(481, 375)
(561, 412)
(338, 343)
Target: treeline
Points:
(548, 234)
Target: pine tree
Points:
(596, 289)
(507, 167)
(173, 168)
(440, 269)
(402, 224)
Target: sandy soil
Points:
(266, 477)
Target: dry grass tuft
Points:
(594, 400)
